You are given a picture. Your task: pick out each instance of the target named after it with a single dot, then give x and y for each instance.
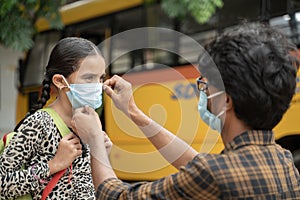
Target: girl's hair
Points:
(65, 59)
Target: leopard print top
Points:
(34, 145)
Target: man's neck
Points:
(232, 129)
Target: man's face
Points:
(215, 104)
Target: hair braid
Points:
(45, 95)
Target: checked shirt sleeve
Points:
(191, 182)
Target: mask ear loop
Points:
(221, 113)
(215, 94)
(65, 81)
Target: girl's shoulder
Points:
(40, 115)
(38, 118)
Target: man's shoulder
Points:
(245, 171)
(206, 157)
(221, 163)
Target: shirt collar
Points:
(253, 137)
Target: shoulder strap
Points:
(62, 127)
(5, 140)
(52, 183)
(64, 130)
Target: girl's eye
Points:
(89, 78)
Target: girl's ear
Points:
(58, 81)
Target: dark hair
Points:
(64, 59)
(258, 67)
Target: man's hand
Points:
(120, 91)
(86, 124)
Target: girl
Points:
(76, 69)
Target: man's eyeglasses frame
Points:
(201, 84)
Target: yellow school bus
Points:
(167, 94)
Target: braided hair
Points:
(64, 59)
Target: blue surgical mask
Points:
(213, 121)
(85, 94)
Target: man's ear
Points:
(58, 81)
(229, 104)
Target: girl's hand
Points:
(68, 150)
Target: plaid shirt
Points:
(252, 166)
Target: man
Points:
(258, 69)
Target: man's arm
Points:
(101, 167)
(165, 141)
(87, 125)
(191, 182)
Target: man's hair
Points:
(258, 67)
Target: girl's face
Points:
(91, 70)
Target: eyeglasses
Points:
(201, 84)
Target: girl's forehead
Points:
(94, 63)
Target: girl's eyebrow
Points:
(93, 75)
(88, 74)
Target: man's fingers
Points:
(108, 91)
(79, 110)
(115, 79)
(110, 85)
(84, 109)
(111, 82)
(88, 110)
(107, 83)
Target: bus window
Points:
(121, 65)
(94, 30)
(38, 57)
(145, 16)
(187, 48)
